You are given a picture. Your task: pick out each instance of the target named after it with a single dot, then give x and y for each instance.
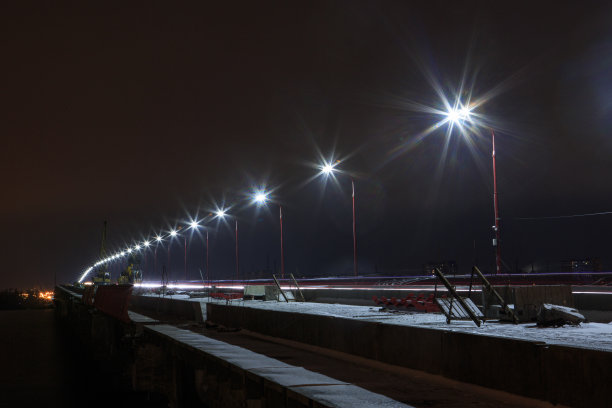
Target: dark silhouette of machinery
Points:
(102, 275)
(132, 273)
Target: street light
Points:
(458, 115)
(193, 224)
(329, 169)
(158, 240)
(261, 198)
(173, 234)
(222, 213)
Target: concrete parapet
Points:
(225, 375)
(566, 375)
(166, 307)
(575, 376)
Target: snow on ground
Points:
(596, 336)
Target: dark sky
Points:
(142, 113)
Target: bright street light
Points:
(458, 114)
(327, 168)
(260, 197)
(173, 233)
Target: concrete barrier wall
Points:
(581, 301)
(592, 301)
(554, 373)
(165, 307)
(577, 377)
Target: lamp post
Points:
(456, 116)
(329, 169)
(237, 259)
(207, 271)
(173, 233)
(496, 206)
(280, 211)
(158, 240)
(261, 198)
(222, 213)
(146, 244)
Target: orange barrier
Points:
(226, 296)
(420, 303)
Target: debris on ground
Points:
(557, 316)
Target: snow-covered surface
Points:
(138, 318)
(564, 309)
(596, 336)
(587, 335)
(316, 386)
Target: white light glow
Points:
(85, 273)
(146, 244)
(158, 238)
(260, 197)
(220, 213)
(458, 114)
(194, 224)
(173, 233)
(327, 168)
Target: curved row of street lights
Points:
(458, 115)
(259, 197)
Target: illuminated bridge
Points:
(189, 347)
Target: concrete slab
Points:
(321, 390)
(138, 318)
(345, 396)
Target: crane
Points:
(102, 275)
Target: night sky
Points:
(146, 113)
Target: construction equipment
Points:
(102, 275)
(489, 289)
(132, 273)
(299, 291)
(457, 307)
(288, 295)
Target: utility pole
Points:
(496, 243)
(355, 270)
